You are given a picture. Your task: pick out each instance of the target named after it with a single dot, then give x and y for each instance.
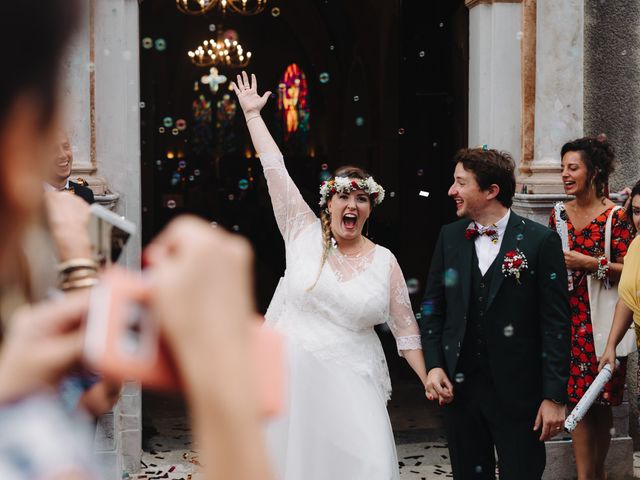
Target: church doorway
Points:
(380, 83)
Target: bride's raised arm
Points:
(291, 211)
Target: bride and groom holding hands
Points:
(492, 347)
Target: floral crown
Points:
(347, 185)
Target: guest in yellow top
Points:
(628, 307)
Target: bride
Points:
(336, 287)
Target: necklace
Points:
(356, 254)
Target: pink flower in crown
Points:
(514, 263)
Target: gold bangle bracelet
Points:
(76, 263)
(79, 274)
(75, 284)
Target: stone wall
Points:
(612, 77)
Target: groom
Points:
(496, 326)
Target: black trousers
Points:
(476, 424)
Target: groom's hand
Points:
(550, 417)
(438, 386)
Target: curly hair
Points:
(598, 156)
(490, 167)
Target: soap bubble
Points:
(413, 285)
(161, 130)
(508, 331)
(243, 184)
(275, 12)
(356, 98)
(181, 124)
(421, 54)
(147, 43)
(427, 308)
(401, 131)
(459, 377)
(451, 277)
(325, 176)
(161, 44)
(196, 172)
(171, 204)
(167, 122)
(553, 276)
(359, 121)
(324, 77)
(324, 166)
(420, 172)
(212, 27)
(175, 131)
(519, 237)
(182, 164)
(236, 228)
(392, 194)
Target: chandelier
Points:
(201, 7)
(224, 51)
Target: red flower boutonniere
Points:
(514, 264)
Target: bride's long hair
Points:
(348, 171)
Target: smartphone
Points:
(123, 342)
(109, 233)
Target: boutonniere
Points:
(514, 264)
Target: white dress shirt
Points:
(486, 250)
(50, 188)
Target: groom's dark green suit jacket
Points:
(527, 323)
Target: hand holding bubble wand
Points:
(581, 409)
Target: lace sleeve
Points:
(291, 211)
(402, 321)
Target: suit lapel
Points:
(509, 242)
(464, 268)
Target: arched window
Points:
(293, 102)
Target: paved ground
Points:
(422, 448)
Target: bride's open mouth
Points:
(349, 221)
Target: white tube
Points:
(588, 398)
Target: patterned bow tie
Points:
(474, 231)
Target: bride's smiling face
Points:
(348, 212)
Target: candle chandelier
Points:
(224, 51)
(241, 7)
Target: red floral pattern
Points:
(584, 364)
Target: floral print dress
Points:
(584, 363)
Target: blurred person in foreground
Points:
(200, 292)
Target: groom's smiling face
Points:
(466, 192)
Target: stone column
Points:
(494, 74)
(102, 116)
(558, 100)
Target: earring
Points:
(326, 210)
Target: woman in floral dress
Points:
(586, 166)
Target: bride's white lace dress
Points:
(336, 426)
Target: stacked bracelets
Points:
(603, 268)
(78, 273)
